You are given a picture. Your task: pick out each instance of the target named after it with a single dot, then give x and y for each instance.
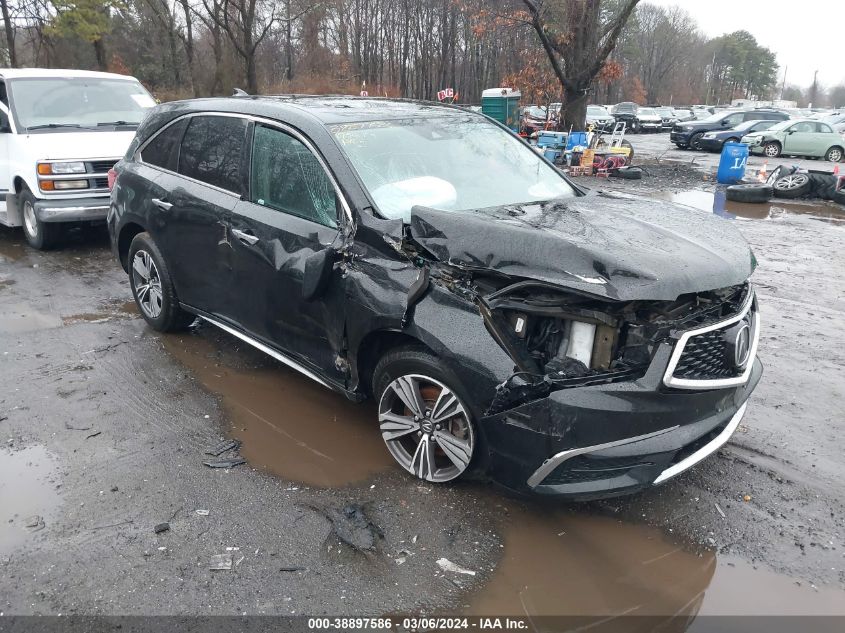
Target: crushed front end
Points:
(611, 397)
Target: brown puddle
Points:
(289, 425)
(776, 207)
(29, 495)
(565, 563)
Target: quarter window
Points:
(163, 150)
(824, 128)
(212, 151)
(286, 176)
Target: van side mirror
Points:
(318, 271)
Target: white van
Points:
(61, 131)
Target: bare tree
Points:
(578, 36)
(10, 33)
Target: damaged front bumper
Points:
(610, 439)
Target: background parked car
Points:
(627, 112)
(600, 118)
(683, 114)
(534, 118)
(713, 141)
(798, 138)
(650, 120)
(667, 116)
(690, 134)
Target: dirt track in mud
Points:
(104, 427)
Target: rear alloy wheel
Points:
(426, 427)
(792, 186)
(771, 150)
(152, 288)
(834, 155)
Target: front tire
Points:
(40, 235)
(153, 288)
(695, 141)
(425, 420)
(771, 150)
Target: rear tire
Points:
(40, 235)
(834, 155)
(153, 288)
(433, 437)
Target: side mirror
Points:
(318, 271)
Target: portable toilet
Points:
(502, 104)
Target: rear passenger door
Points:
(197, 207)
(291, 213)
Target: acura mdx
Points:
(504, 320)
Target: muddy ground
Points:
(105, 423)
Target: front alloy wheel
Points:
(426, 428)
(147, 284)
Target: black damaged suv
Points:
(505, 321)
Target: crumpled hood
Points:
(609, 245)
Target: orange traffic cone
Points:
(763, 174)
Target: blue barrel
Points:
(732, 163)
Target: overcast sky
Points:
(806, 36)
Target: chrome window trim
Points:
(689, 383)
(557, 459)
(268, 350)
(138, 155)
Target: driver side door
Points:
(798, 139)
(291, 213)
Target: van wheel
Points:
(40, 235)
(152, 287)
(424, 420)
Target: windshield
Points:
(647, 112)
(452, 163)
(782, 125)
(624, 107)
(78, 102)
(597, 111)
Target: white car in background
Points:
(61, 131)
(650, 120)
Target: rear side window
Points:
(163, 150)
(733, 119)
(823, 127)
(212, 151)
(286, 176)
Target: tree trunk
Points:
(251, 75)
(10, 34)
(574, 112)
(100, 53)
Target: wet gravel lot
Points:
(105, 425)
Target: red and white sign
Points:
(449, 93)
(364, 93)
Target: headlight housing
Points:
(61, 168)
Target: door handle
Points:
(161, 204)
(244, 236)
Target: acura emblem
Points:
(742, 345)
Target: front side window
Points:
(163, 150)
(450, 163)
(212, 151)
(803, 127)
(57, 102)
(286, 176)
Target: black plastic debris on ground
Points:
(225, 463)
(224, 446)
(161, 527)
(352, 526)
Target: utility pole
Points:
(814, 89)
(783, 85)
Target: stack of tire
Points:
(789, 183)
